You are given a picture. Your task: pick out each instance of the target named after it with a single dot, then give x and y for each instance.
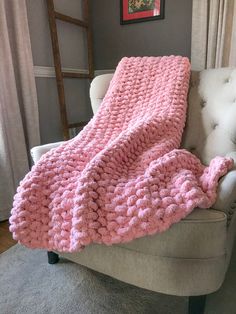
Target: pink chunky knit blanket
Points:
(123, 176)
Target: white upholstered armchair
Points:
(192, 257)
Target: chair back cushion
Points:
(211, 118)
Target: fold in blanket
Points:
(122, 177)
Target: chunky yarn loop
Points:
(123, 176)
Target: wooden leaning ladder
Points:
(60, 74)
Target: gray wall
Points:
(72, 42)
(112, 41)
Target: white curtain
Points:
(213, 34)
(19, 125)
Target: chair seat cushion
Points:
(188, 259)
(202, 234)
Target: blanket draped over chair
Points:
(123, 176)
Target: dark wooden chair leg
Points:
(53, 258)
(196, 304)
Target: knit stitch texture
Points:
(122, 177)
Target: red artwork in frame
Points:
(133, 11)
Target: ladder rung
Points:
(77, 125)
(75, 75)
(69, 19)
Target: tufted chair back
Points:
(211, 119)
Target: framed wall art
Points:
(134, 11)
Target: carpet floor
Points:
(28, 284)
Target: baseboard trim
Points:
(100, 72)
(49, 72)
(42, 71)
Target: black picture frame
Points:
(143, 19)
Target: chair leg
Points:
(53, 258)
(196, 304)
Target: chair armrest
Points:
(98, 89)
(226, 198)
(233, 156)
(38, 151)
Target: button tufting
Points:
(215, 126)
(231, 212)
(227, 80)
(233, 140)
(203, 104)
